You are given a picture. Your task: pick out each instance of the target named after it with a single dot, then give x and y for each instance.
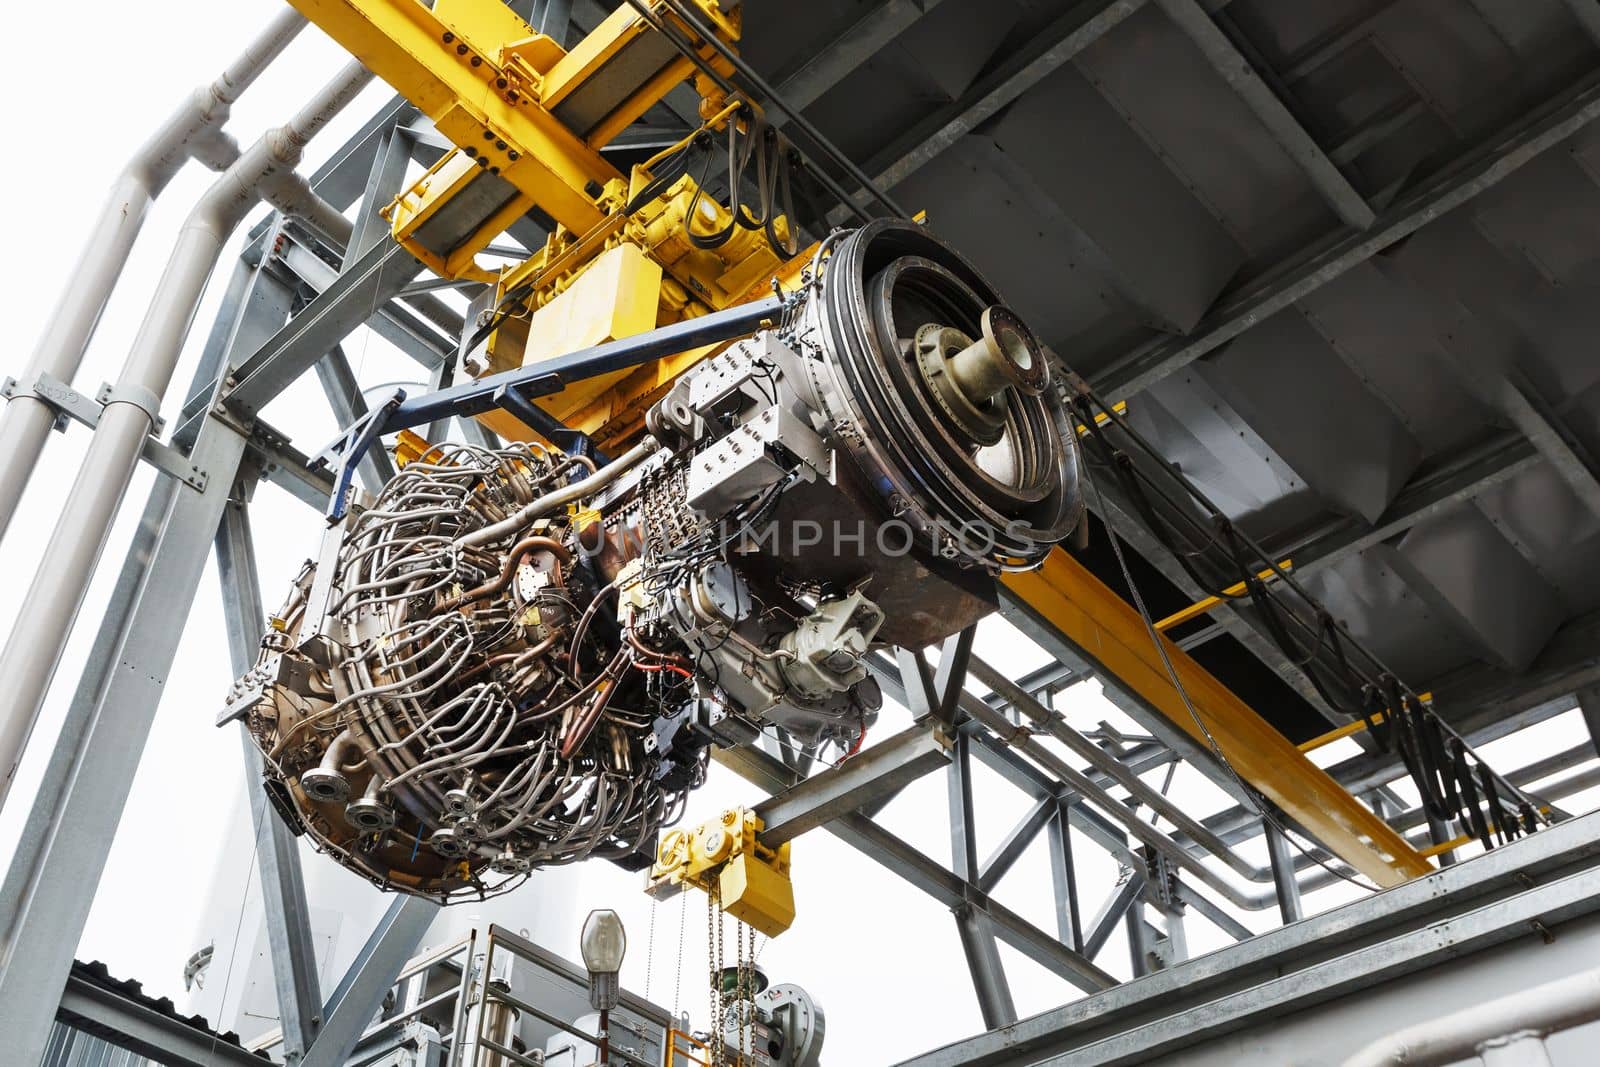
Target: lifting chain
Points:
(677, 977)
(714, 954)
(650, 949)
(740, 1000)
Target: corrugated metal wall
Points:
(74, 1048)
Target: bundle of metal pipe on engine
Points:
(514, 658)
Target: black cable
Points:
(1248, 794)
(1405, 716)
(1469, 796)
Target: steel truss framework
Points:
(293, 299)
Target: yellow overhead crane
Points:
(529, 118)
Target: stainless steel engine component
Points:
(511, 659)
(777, 1026)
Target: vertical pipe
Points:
(56, 593)
(192, 128)
(1283, 874)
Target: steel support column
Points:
(977, 940)
(1064, 877)
(339, 385)
(359, 995)
(51, 882)
(52, 877)
(283, 894)
(982, 952)
(1116, 907)
(1026, 832)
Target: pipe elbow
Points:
(209, 107)
(225, 204)
(285, 144)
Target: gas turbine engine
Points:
(513, 658)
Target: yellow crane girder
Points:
(1109, 633)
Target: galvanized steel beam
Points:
(928, 875)
(283, 894)
(875, 773)
(1246, 82)
(359, 995)
(1530, 413)
(1476, 170)
(995, 1003)
(1112, 911)
(51, 880)
(829, 65)
(1473, 471)
(1283, 880)
(1546, 878)
(978, 943)
(1589, 705)
(1097, 626)
(339, 385)
(1064, 876)
(1016, 842)
(390, 321)
(1050, 49)
(375, 278)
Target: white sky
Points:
(882, 959)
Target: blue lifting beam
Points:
(515, 390)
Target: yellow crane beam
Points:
(478, 92)
(1113, 637)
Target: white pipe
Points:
(1518, 1018)
(47, 614)
(193, 129)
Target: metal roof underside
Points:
(1340, 258)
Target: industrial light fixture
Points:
(603, 944)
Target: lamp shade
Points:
(603, 942)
